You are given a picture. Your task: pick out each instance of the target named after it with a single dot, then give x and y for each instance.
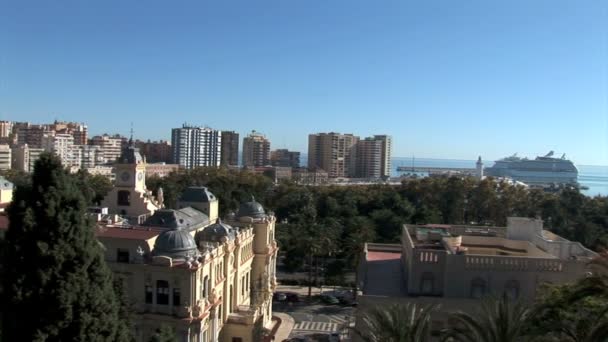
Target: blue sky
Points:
(447, 79)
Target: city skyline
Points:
(449, 81)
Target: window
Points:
(124, 198)
(176, 297)
(243, 286)
(162, 292)
(237, 339)
(478, 288)
(148, 294)
(427, 283)
(206, 287)
(122, 255)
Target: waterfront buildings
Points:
(230, 148)
(285, 158)
(333, 153)
(196, 146)
(208, 279)
(457, 265)
(373, 157)
(256, 150)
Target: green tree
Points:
(396, 323)
(164, 334)
(498, 320)
(57, 286)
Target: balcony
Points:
(244, 314)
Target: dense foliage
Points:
(334, 221)
(56, 285)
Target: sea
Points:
(594, 177)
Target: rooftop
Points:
(384, 274)
(135, 233)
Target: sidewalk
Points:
(303, 290)
(285, 326)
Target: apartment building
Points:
(333, 153)
(256, 150)
(110, 146)
(5, 157)
(196, 146)
(230, 148)
(285, 158)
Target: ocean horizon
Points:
(594, 177)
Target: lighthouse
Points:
(479, 168)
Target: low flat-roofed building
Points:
(456, 265)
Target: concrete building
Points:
(312, 177)
(24, 157)
(457, 265)
(5, 157)
(230, 148)
(209, 280)
(62, 145)
(130, 198)
(110, 146)
(160, 170)
(155, 151)
(285, 158)
(78, 131)
(332, 152)
(89, 156)
(256, 150)
(30, 134)
(196, 146)
(387, 153)
(368, 160)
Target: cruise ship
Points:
(544, 172)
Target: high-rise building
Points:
(256, 150)
(110, 146)
(286, 158)
(78, 130)
(333, 153)
(368, 158)
(62, 144)
(24, 157)
(373, 157)
(196, 146)
(387, 153)
(230, 148)
(30, 134)
(5, 157)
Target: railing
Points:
(499, 263)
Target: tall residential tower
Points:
(196, 146)
(256, 150)
(333, 153)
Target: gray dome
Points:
(175, 243)
(217, 232)
(197, 194)
(251, 209)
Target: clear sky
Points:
(447, 79)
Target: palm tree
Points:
(497, 321)
(396, 323)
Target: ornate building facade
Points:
(208, 279)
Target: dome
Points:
(217, 232)
(186, 218)
(175, 243)
(251, 209)
(197, 194)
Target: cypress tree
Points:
(57, 286)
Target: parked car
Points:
(292, 297)
(327, 299)
(279, 297)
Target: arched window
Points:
(124, 198)
(512, 289)
(427, 283)
(478, 288)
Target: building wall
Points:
(111, 146)
(5, 157)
